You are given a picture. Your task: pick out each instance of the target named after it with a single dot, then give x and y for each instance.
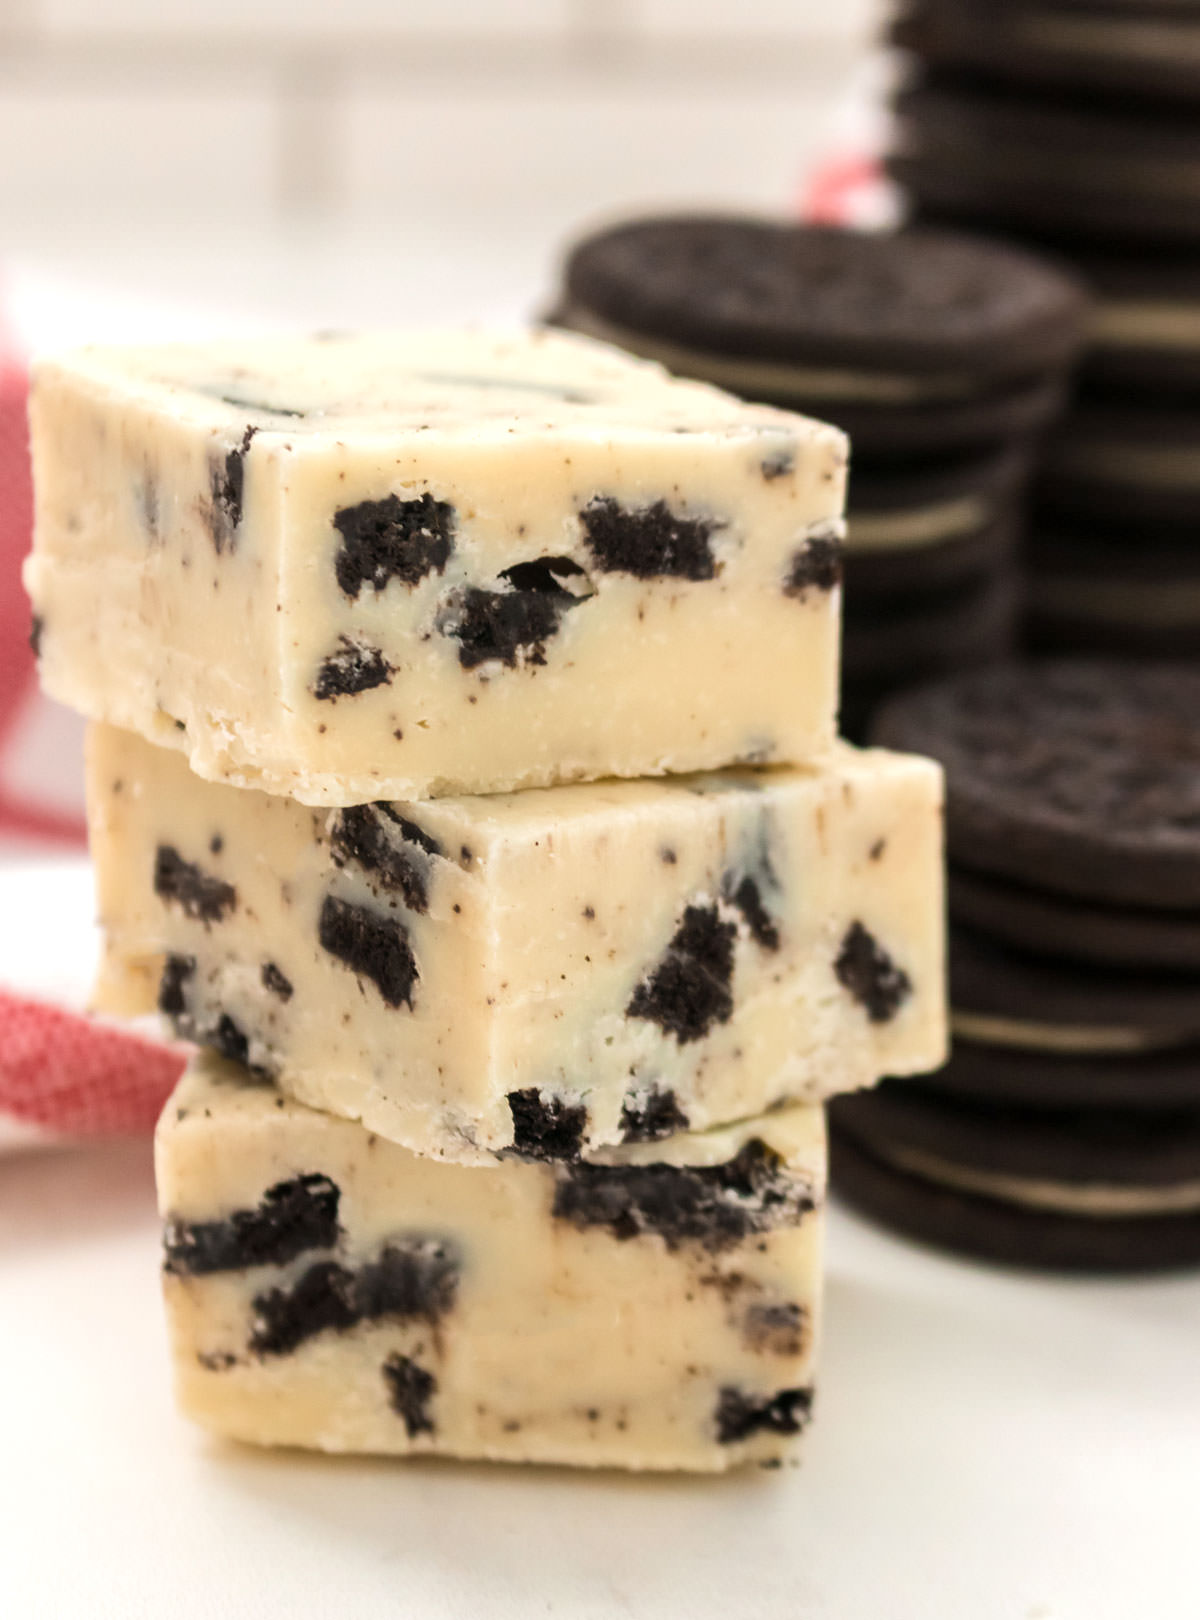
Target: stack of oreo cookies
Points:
(942, 355)
(1065, 1130)
(1073, 124)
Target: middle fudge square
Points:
(545, 972)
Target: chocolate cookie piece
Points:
(1129, 589)
(1112, 1157)
(923, 339)
(1135, 46)
(1060, 169)
(1077, 776)
(1048, 924)
(1005, 1074)
(1124, 461)
(1013, 998)
(1009, 1233)
(889, 641)
(909, 531)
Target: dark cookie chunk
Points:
(649, 542)
(689, 991)
(779, 465)
(172, 994)
(651, 1117)
(276, 981)
(226, 482)
(392, 539)
(865, 969)
(776, 1330)
(355, 667)
(293, 1217)
(416, 1278)
(199, 895)
(361, 834)
(372, 945)
(410, 1389)
(740, 1414)
(241, 402)
(546, 1127)
(513, 625)
(1080, 777)
(1008, 1233)
(746, 896)
(227, 1038)
(817, 566)
(36, 625)
(715, 1206)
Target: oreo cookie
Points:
(1081, 777)
(914, 530)
(1127, 47)
(1095, 588)
(1038, 1080)
(1056, 169)
(1144, 331)
(915, 342)
(1125, 461)
(891, 640)
(1007, 1230)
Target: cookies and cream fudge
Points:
(546, 971)
(346, 568)
(328, 1289)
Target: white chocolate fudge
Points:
(328, 1289)
(547, 971)
(358, 568)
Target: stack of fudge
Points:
(464, 785)
(1072, 124)
(943, 354)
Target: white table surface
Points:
(987, 1446)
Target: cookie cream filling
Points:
(1146, 323)
(1092, 1198)
(1173, 42)
(1158, 466)
(774, 378)
(923, 526)
(1029, 1035)
(1160, 603)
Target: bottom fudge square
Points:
(654, 1308)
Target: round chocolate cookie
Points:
(917, 530)
(922, 340)
(1144, 330)
(1003, 997)
(1038, 921)
(1124, 461)
(1153, 1156)
(1121, 590)
(1057, 168)
(1005, 1074)
(885, 640)
(1148, 47)
(990, 1228)
(1077, 776)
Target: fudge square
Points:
(326, 1288)
(547, 971)
(367, 567)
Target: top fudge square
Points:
(349, 568)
